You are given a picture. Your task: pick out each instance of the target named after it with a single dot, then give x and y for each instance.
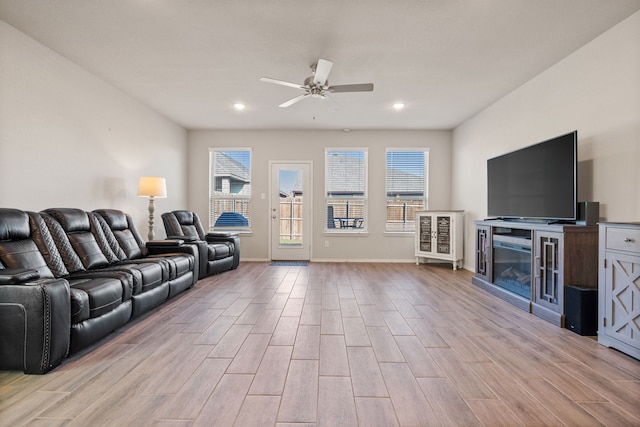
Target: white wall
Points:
(69, 139)
(309, 145)
(596, 90)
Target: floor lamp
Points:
(152, 187)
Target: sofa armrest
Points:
(165, 243)
(35, 325)
(185, 238)
(18, 275)
(172, 246)
(221, 237)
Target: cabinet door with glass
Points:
(483, 252)
(439, 236)
(548, 271)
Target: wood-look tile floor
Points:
(333, 345)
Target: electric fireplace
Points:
(512, 264)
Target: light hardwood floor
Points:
(333, 345)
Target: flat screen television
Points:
(538, 182)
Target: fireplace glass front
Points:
(512, 265)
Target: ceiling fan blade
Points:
(281, 82)
(294, 100)
(322, 72)
(363, 87)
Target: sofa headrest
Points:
(184, 217)
(116, 219)
(14, 224)
(71, 219)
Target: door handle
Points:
(273, 216)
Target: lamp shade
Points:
(152, 186)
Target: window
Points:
(230, 188)
(406, 187)
(346, 190)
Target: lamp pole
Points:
(152, 210)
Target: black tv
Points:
(538, 182)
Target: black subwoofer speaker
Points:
(588, 213)
(581, 310)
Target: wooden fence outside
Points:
(290, 219)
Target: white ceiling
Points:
(191, 60)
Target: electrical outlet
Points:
(326, 243)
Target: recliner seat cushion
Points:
(219, 251)
(153, 275)
(93, 297)
(179, 264)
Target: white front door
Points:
(290, 211)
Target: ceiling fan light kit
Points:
(317, 85)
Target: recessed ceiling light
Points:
(398, 106)
(239, 106)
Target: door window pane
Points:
(291, 207)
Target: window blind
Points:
(405, 187)
(346, 190)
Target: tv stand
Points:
(560, 221)
(532, 220)
(529, 263)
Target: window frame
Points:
(229, 196)
(349, 227)
(425, 197)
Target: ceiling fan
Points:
(317, 84)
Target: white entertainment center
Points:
(439, 236)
